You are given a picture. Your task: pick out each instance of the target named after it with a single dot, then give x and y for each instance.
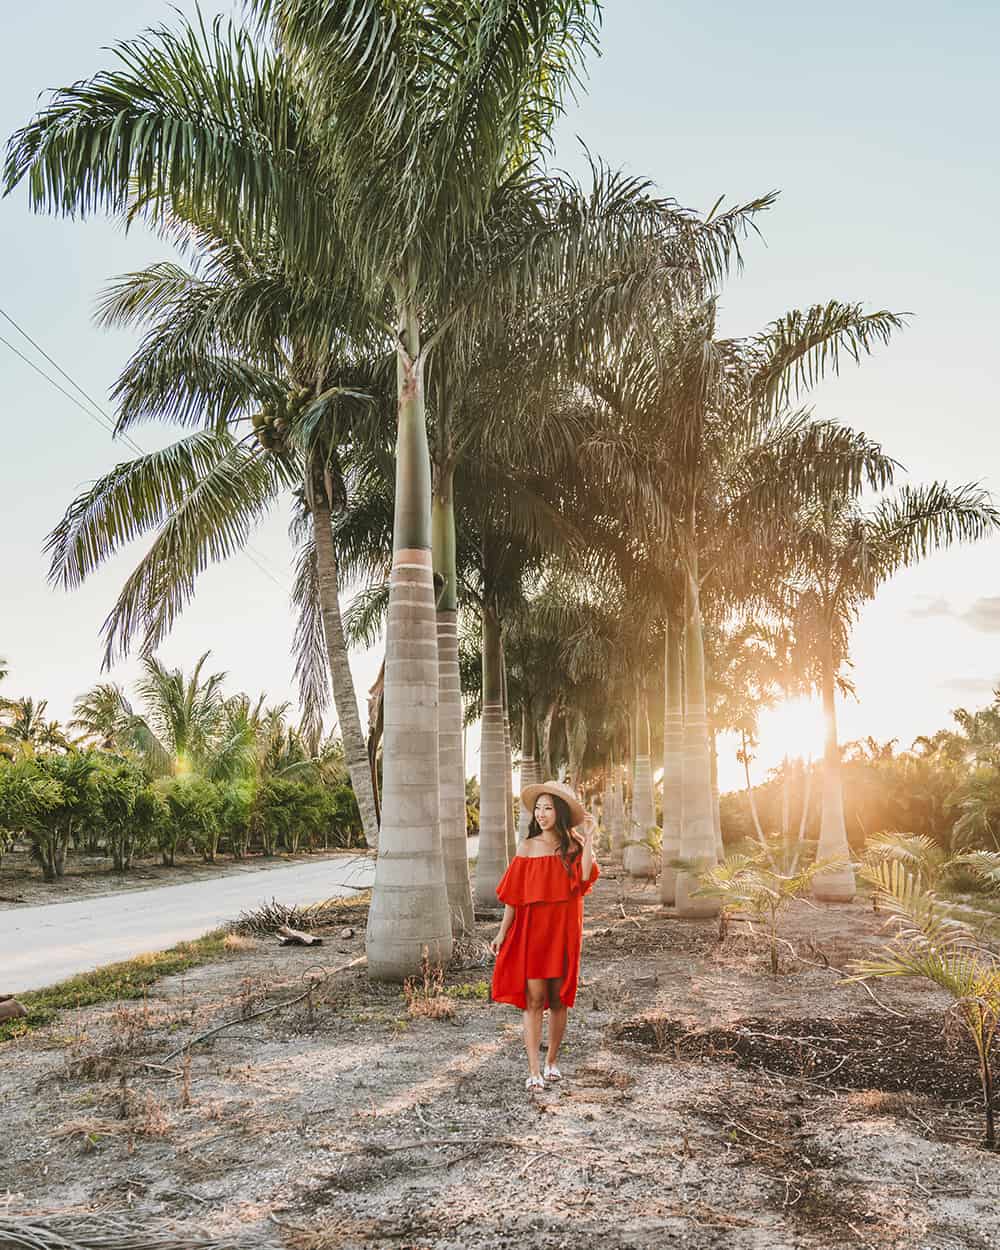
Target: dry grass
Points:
(425, 995)
(237, 942)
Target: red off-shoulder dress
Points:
(544, 940)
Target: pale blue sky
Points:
(875, 121)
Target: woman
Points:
(538, 945)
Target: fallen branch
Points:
(102, 1232)
(828, 967)
(266, 1011)
(750, 1133)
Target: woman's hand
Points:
(584, 834)
(497, 942)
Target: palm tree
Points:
(842, 555)
(23, 721)
(241, 335)
(425, 117)
(187, 726)
(723, 459)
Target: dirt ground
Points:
(21, 882)
(706, 1104)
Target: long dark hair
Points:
(569, 848)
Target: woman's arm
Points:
(505, 923)
(585, 836)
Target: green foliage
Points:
(129, 812)
(752, 883)
(28, 800)
(472, 990)
(193, 808)
(653, 840)
(74, 772)
(235, 810)
(929, 942)
(472, 806)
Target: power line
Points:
(106, 421)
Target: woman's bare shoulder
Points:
(530, 848)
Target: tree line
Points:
(192, 770)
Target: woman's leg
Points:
(534, 992)
(557, 1018)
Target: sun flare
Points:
(793, 728)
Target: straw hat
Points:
(529, 797)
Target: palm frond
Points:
(795, 352)
(312, 668)
(921, 919)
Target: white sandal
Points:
(534, 1082)
(552, 1073)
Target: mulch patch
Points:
(865, 1051)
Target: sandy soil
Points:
(21, 881)
(706, 1104)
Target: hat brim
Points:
(529, 797)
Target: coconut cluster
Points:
(272, 423)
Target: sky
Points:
(877, 125)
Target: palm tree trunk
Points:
(673, 762)
(345, 699)
(508, 772)
(409, 920)
(750, 796)
(617, 831)
(545, 745)
(837, 885)
(638, 859)
(493, 860)
(720, 849)
(807, 774)
(529, 765)
(451, 757)
(698, 829)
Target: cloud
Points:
(972, 685)
(984, 615)
(932, 607)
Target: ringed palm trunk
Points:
(530, 774)
(345, 699)
(508, 772)
(836, 885)
(720, 850)
(673, 763)
(638, 858)
(409, 919)
(492, 861)
(451, 752)
(616, 831)
(698, 829)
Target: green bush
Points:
(27, 800)
(235, 809)
(129, 811)
(344, 819)
(194, 807)
(74, 774)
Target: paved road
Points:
(45, 944)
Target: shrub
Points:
(27, 800)
(193, 816)
(749, 883)
(130, 813)
(930, 943)
(235, 809)
(51, 836)
(344, 818)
